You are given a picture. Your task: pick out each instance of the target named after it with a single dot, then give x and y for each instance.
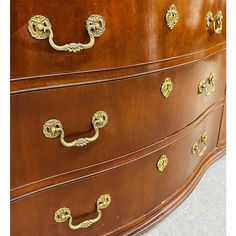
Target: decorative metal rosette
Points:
(172, 16)
(62, 215)
(38, 26)
(96, 25)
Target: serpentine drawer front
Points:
(117, 109)
(119, 206)
(60, 121)
(130, 33)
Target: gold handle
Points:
(63, 214)
(195, 147)
(203, 85)
(214, 21)
(40, 28)
(53, 128)
(162, 163)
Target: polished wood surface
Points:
(159, 213)
(136, 33)
(121, 74)
(133, 114)
(149, 188)
(29, 84)
(79, 174)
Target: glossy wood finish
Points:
(29, 84)
(136, 33)
(79, 174)
(122, 75)
(159, 213)
(136, 118)
(33, 215)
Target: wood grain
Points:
(149, 189)
(139, 115)
(122, 75)
(136, 33)
(44, 82)
(81, 173)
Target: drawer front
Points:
(138, 115)
(140, 35)
(135, 189)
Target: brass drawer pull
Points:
(53, 128)
(214, 21)
(40, 28)
(162, 163)
(203, 85)
(64, 214)
(196, 149)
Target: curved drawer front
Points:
(138, 115)
(135, 189)
(135, 32)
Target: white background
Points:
(5, 117)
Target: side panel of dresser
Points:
(222, 135)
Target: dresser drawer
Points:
(135, 189)
(138, 115)
(136, 32)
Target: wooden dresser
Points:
(111, 133)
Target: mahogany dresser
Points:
(117, 109)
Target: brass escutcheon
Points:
(172, 16)
(162, 163)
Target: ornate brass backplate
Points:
(162, 163)
(172, 16)
(202, 142)
(62, 215)
(215, 22)
(167, 87)
(51, 128)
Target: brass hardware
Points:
(172, 16)
(40, 28)
(162, 163)
(64, 214)
(167, 87)
(53, 128)
(214, 21)
(195, 147)
(203, 85)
